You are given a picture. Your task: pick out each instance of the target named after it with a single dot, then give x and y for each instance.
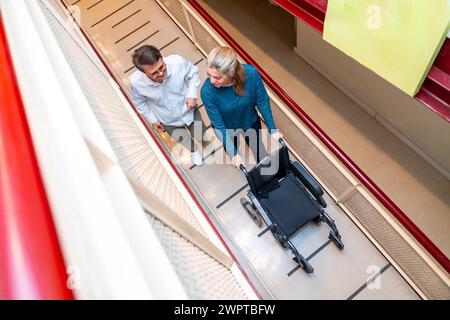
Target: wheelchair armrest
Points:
(310, 183)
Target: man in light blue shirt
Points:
(164, 91)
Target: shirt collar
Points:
(169, 68)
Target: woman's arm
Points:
(217, 122)
(263, 102)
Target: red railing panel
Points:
(31, 263)
(305, 11)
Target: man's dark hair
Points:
(145, 55)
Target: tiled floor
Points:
(338, 274)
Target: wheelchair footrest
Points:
(252, 212)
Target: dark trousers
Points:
(186, 134)
(253, 139)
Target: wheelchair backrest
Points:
(274, 166)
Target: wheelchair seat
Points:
(290, 206)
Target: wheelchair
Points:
(286, 200)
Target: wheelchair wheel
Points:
(318, 220)
(280, 240)
(283, 244)
(252, 212)
(304, 264)
(337, 240)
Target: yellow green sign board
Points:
(397, 39)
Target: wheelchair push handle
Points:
(283, 145)
(242, 168)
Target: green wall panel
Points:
(397, 39)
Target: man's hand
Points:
(277, 136)
(237, 161)
(191, 104)
(158, 126)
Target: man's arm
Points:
(192, 79)
(143, 106)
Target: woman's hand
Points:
(237, 161)
(278, 135)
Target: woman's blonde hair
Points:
(224, 60)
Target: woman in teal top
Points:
(230, 95)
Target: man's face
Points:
(157, 71)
